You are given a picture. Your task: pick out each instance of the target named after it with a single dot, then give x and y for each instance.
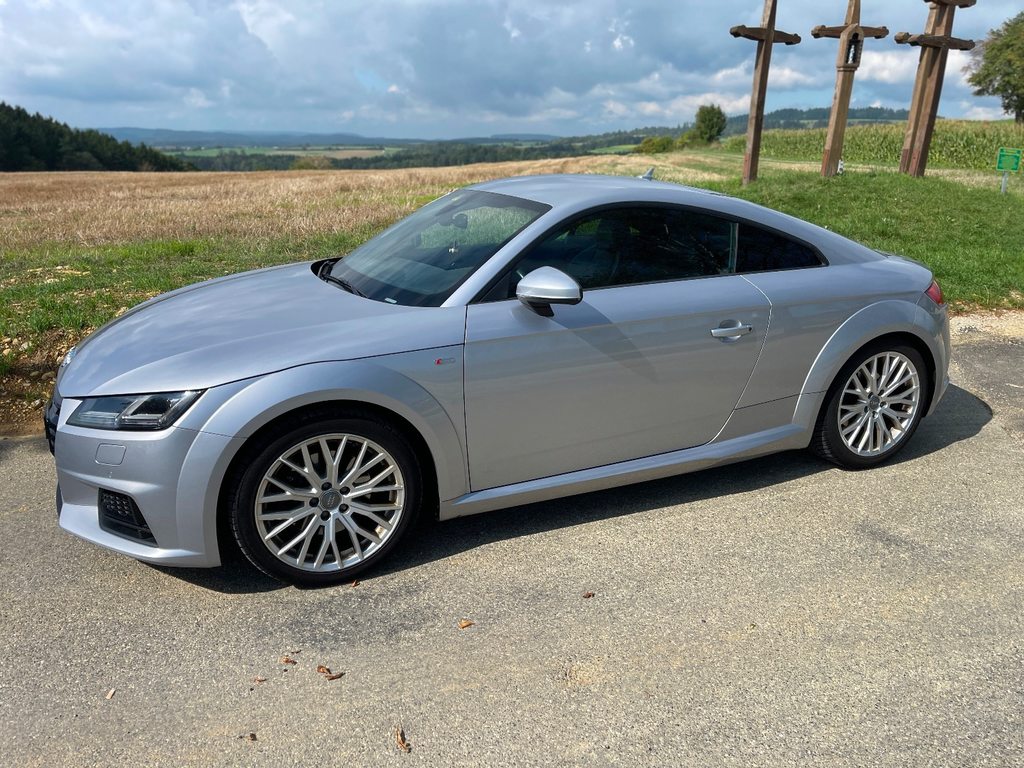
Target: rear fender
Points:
(864, 326)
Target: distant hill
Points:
(178, 140)
(37, 143)
(279, 150)
(168, 138)
(794, 119)
(173, 139)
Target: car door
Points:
(634, 370)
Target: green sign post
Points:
(1008, 161)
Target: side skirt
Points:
(782, 438)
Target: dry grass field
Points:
(79, 248)
(89, 209)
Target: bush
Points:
(710, 125)
(655, 144)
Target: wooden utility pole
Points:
(851, 38)
(935, 45)
(766, 36)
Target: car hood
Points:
(245, 325)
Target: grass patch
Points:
(78, 288)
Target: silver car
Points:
(513, 341)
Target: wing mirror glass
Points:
(546, 286)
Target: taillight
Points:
(934, 293)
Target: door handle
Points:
(731, 332)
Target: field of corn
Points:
(957, 144)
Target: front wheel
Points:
(873, 408)
(326, 499)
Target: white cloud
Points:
(512, 29)
(892, 67)
(615, 109)
(974, 112)
(732, 75)
(621, 41)
(103, 30)
(197, 99)
(789, 77)
(955, 68)
(266, 20)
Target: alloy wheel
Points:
(329, 502)
(880, 403)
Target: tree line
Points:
(36, 143)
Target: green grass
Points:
(616, 149)
(84, 287)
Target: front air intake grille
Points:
(120, 515)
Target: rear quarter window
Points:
(759, 250)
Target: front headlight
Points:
(157, 411)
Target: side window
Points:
(761, 251)
(625, 246)
(674, 244)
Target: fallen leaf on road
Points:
(336, 676)
(403, 745)
(287, 660)
(463, 623)
(323, 670)
(587, 595)
(250, 736)
(110, 694)
(354, 583)
(259, 679)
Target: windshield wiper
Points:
(325, 275)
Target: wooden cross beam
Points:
(851, 38)
(935, 44)
(766, 36)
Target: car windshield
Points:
(422, 259)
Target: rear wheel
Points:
(873, 407)
(326, 499)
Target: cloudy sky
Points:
(443, 68)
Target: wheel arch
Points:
(263, 405)
(898, 321)
(341, 408)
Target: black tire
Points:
(241, 500)
(828, 441)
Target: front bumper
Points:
(172, 476)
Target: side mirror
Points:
(546, 286)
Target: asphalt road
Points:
(767, 613)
